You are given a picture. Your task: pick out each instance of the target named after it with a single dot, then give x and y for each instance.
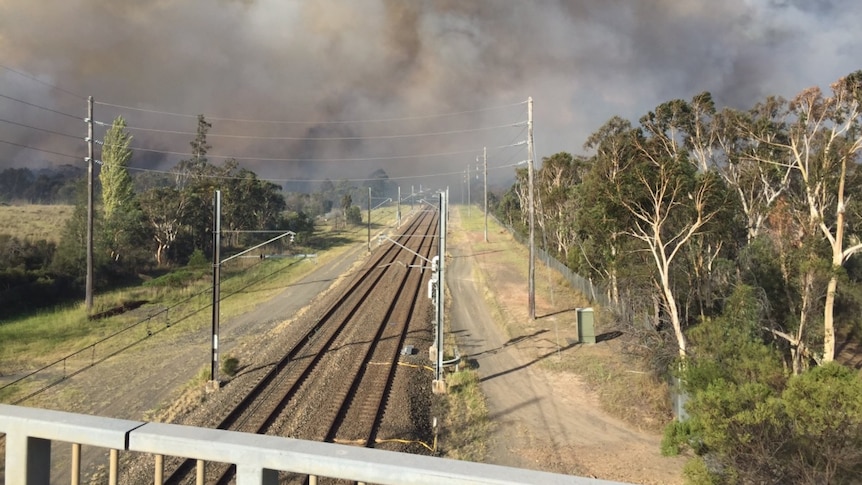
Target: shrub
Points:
(198, 259)
(229, 366)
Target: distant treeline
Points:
(46, 186)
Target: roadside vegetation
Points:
(153, 223)
(153, 250)
(466, 425)
(67, 339)
(726, 243)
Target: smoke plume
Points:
(392, 65)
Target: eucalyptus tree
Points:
(521, 193)
(508, 207)
(183, 211)
(249, 203)
(670, 203)
(556, 194)
(670, 206)
(165, 210)
(683, 131)
(757, 185)
(600, 218)
(197, 166)
(822, 140)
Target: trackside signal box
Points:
(586, 326)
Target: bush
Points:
(175, 279)
(354, 215)
(697, 472)
(809, 432)
(677, 438)
(198, 259)
(229, 366)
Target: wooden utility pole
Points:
(485, 158)
(469, 198)
(532, 272)
(369, 219)
(88, 292)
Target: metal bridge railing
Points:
(258, 458)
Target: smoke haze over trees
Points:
(317, 62)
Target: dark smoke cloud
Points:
(325, 60)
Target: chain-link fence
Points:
(593, 292)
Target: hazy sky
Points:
(390, 66)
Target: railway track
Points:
(333, 381)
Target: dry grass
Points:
(34, 222)
(466, 424)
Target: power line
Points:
(358, 159)
(40, 129)
(379, 120)
(41, 150)
(41, 107)
(34, 78)
(513, 143)
(326, 138)
(283, 180)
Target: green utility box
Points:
(586, 326)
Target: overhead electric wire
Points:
(41, 150)
(263, 121)
(512, 143)
(41, 129)
(34, 78)
(379, 120)
(325, 138)
(285, 180)
(42, 107)
(358, 159)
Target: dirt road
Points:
(544, 419)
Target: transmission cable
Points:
(324, 138)
(41, 107)
(40, 129)
(34, 78)
(41, 150)
(379, 120)
(266, 159)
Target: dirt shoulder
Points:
(544, 419)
